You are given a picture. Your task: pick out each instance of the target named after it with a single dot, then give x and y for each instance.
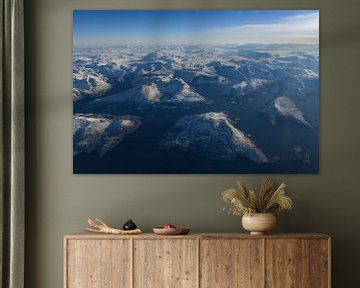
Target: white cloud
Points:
(302, 28)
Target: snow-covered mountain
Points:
(141, 95)
(199, 77)
(175, 89)
(284, 108)
(212, 135)
(88, 82)
(98, 71)
(101, 133)
(300, 154)
(250, 87)
(164, 91)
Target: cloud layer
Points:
(302, 28)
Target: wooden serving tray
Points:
(171, 231)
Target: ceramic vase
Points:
(259, 223)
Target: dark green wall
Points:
(59, 202)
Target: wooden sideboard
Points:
(197, 260)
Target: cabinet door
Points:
(287, 263)
(231, 263)
(320, 263)
(98, 263)
(165, 263)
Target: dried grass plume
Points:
(267, 200)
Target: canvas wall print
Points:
(182, 92)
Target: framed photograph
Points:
(195, 91)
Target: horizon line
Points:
(227, 44)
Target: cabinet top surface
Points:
(87, 235)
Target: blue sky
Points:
(111, 27)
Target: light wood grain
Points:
(165, 263)
(319, 263)
(98, 264)
(287, 263)
(231, 263)
(204, 260)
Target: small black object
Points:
(129, 225)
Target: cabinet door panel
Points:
(166, 263)
(98, 264)
(319, 263)
(287, 263)
(231, 263)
